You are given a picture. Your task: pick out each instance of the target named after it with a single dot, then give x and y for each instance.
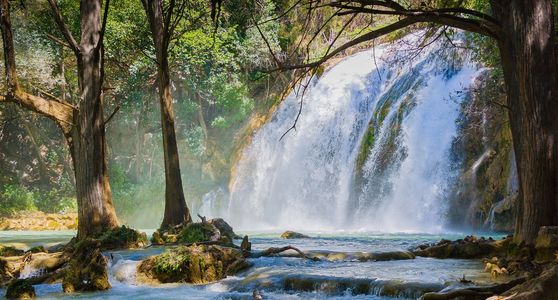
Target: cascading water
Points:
(370, 150)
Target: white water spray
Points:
(310, 180)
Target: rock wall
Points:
(486, 188)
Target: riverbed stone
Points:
(469, 247)
(293, 235)
(192, 264)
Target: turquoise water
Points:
(287, 277)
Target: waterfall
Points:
(370, 150)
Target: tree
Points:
(163, 22)
(526, 36)
(83, 125)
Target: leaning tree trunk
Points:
(528, 52)
(176, 211)
(87, 141)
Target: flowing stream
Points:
(286, 277)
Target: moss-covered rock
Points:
(199, 232)
(87, 268)
(122, 238)
(10, 251)
(156, 238)
(20, 289)
(192, 264)
(37, 249)
(293, 235)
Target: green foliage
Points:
(15, 198)
(171, 263)
(196, 232)
(55, 201)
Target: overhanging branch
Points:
(62, 26)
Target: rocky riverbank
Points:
(38, 220)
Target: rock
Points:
(156, 238)
(293, 235)
(245, 246)
(192, 264)
(55, 247)
(469, 247)
(199, 232)
(87, 269)
(20, 289)
(224, 228)
(541, 287)
(36, 220)
(10, 251)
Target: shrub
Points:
(14, 198)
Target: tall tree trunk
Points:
(527, 48)
(176, 211)
(88, 144)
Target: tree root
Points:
(474, 292)
(273, 250)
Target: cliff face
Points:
(486, 187)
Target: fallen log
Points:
(274, 250)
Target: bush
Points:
(14, 198)
(55, 201)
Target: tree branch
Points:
(62, 26)
(361, 39)
(103, 25)
(60, 112)
(57, 40)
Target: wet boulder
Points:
(469, 247)
(293, 235)
(192, 264)
(20, 289)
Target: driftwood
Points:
(474, 292)
(273, 250)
